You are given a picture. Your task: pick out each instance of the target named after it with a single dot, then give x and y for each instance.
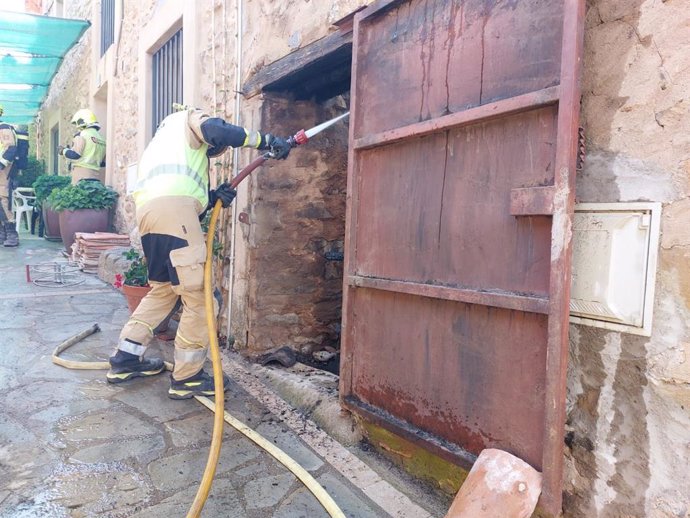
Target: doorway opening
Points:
(295, 258)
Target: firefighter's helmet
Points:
(84, 118)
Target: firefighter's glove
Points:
(278, 146)
(224, 193)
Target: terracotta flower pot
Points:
(134, 294)
(51, 223)
(81, 220)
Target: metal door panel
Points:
(427, 59)
(456, 391)
(442, 211)
(519, 39)
(463, 139)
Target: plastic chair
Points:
(23, 203)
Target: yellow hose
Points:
(220, 415)
(217, 437)
(310, 482)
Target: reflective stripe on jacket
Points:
(170, 166)
(94, 150)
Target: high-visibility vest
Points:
(94, 150)
(169, 165)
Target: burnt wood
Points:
(319, 70)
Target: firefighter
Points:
(171, 197)
(87, 153)
(8, 150)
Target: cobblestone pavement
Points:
(72, 445)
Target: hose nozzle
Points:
(298, 139)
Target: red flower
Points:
(118, 280)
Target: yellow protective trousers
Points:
(5, 193)
(175, 252)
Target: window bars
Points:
(167, 78)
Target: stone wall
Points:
(33, 6)
(263, 41)
(629, 396)
(284, 291)
(69, 90)
(294, 231)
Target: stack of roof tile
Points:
(87, 248)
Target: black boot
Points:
(11, 235)
(125, 366)
(201, 384)
(3, 234)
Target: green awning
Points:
(31, 50)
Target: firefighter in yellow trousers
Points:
(87, 152)
(171, 196)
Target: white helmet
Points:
(84, 118)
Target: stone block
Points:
(267, 491)
(499, 484)
(111, 263)
(222, 501)
(301, 504)
(290, 444)
(184, 469)
(350, 503)
(118, 451)
(110, 424)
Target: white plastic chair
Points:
(23, 203)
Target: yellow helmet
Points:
(84, 118)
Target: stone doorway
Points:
(294, 227)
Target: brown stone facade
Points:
(629, 397)
(295, 230)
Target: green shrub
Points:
(138, 274)
(85, 195)
(45, 184)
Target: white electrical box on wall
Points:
(615, 249)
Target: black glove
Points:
(278, 146)
(224, 193)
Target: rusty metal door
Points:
(463, 141)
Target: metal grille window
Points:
(54, 144)
(167, 78)
(107, 24)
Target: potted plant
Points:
(43, 186)
(134, 282)
(83, 207)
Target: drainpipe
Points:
(235, 158)
(116, 60)
(213, 56)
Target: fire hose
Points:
(220, 415)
